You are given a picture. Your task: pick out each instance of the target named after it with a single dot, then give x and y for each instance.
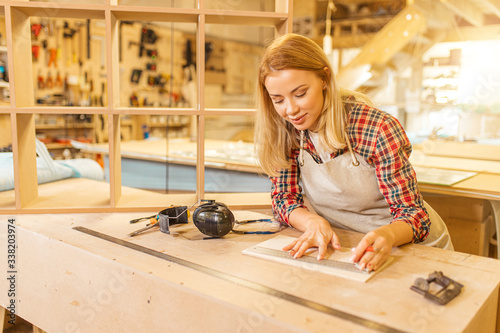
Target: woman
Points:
(352, 159)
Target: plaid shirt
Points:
(380, 139)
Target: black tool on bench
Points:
(448, 289)
(213, 219)
(164, 219)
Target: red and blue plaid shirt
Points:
(381, 140)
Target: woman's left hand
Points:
(381, 241)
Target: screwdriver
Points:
(153, 222)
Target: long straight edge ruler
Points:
(245, 283)
(307, 260)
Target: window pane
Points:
(161, 156)
(232, 64)
(69, 64)
(157, 65)
(230, 163)
(66, 160)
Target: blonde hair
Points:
(274, 136)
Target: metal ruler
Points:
(306, 259)
(245, 283)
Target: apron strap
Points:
(355, 162)
(301, 152)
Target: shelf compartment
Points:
(62, 10)
(153, 55)
(7, 198)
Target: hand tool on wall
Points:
(59, 81)
(44, 46)
(79, 58)
(35, 52)
(68, 33)
(134, 101)
(73, 51)
(103, 93)
(40, 81)
(58, 45)
(136, 76)
(49, 83)
(151, 80)
(52, 57)
(148, 36)
(120, 35)
(35, 30)
(153, 54)
(88, 38)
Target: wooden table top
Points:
(162, 294)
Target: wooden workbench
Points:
(69, 281)
(470, 207)
(229, 166)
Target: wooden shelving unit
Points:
(22, 107)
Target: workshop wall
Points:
(69, 65)
(157, 70)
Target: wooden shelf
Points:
(63, 126)
(165, 125)
(29, 197)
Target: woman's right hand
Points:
(317, 233)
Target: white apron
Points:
(344, 190)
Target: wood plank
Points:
(115, 161)
(453, 163)
(64, 10)
(25, 168)
(285, 26)
(112, 60)
(462, 149)
(236, 17)
(326, 266)
(200, 120)
(466, 10)
(487, 32)
(5, 130)
(483, 182)
(20, 65)
(493, 6)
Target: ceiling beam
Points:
(466, 10)
(493, 6)
(487, 32)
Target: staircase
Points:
(407, 36)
